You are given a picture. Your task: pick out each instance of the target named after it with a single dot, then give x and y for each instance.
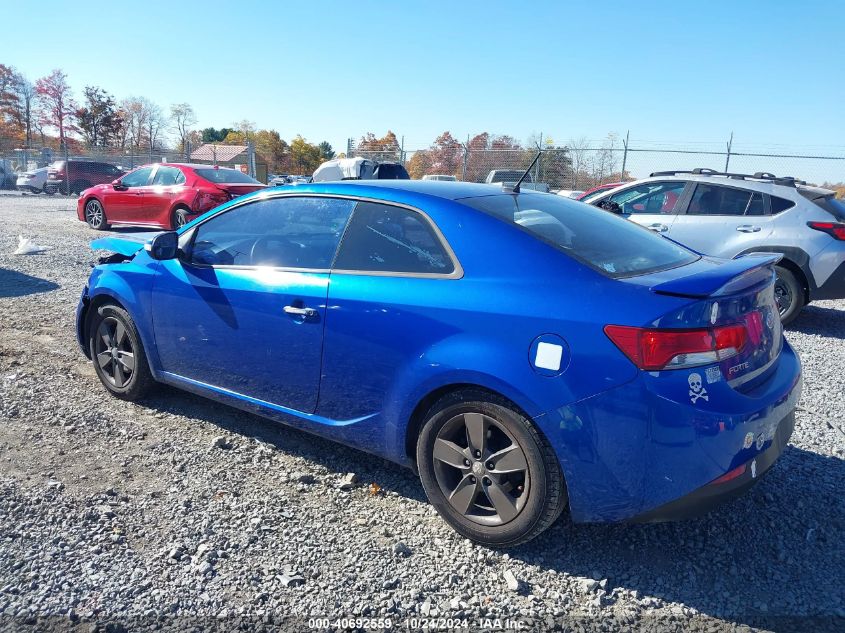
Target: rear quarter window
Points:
(780, 204)
(603, 241)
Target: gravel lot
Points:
(181, 512)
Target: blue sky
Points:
(681, 72)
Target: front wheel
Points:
(95, 215)
(789, 295)
(488, 471)
(117, 353)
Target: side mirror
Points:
(163, 246)
(118, 185)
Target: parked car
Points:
(510, 177)
(358, 169)
(75, 176)
(729, 215)
(594, 191)
(165, 195)
(589, 364)
(33, 181)
(439, 177)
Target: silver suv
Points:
(728, 215)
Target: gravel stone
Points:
(511, 580)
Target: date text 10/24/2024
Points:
(419, 623)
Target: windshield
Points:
(228, 176)
(612, 245)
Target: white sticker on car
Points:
(696, 388)
(548, 356)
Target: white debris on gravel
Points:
(113, 512)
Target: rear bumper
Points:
(833, 287)
(714, 494)
(642, 446)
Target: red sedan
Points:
(165, 195)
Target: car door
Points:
(158, 196)
(243, 308)
(652, 204)
(722, 220)
(387, 280)
(124, 202)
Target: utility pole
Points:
(728, 157)
(625, 154)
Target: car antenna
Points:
(519, 182)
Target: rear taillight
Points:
(835, 229)
(653, 349)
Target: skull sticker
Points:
(696, 388)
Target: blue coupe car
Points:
(524, 352)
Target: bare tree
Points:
(579, 154)
(154, 124)
(182, 119)
(27, 94)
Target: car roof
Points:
(446, 189)
(763, 186)
(191, 166)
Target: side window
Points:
(166, 176)
(289, 232)
(137, 178)
(650, 197)
(780, 204)
(755, 205)
(716, 200)
(384, 238)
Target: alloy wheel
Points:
(481, 469)
(94, 213)
(114, 352)
(783, 296)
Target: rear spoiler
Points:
(732, 275)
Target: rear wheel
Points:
(117, 353)
(95, 215)
(789, 294)
(488, 471)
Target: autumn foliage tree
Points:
(444, 156)
(386, 148)
(98, 119)
(57, 105)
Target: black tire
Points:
(789, 294)
(534, 496)
(179, 218)
(95, 215)
(118, 356)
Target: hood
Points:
(127, 244)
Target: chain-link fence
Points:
(580, 167)
(15, 160)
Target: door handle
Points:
(308, 313)
(660, 228)
(747, 228)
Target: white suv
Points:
(728, 215)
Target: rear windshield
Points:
(228, 176)
(608, 243)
